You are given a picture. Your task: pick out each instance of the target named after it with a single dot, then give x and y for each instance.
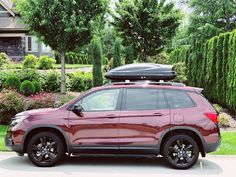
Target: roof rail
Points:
(149, 83)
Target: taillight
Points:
(213, 117)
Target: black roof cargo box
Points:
(142, 71)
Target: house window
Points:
(31, 44)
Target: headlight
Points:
(18, 119)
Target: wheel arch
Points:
(183, 130)
(42, 128)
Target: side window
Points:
(144, 99)
(178, 99)
(105, 100)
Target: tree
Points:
(146, 24)
(62, 24)
(97, 62)
(208, 18)
(117, 53)
(129, 55)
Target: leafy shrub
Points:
(42, 100)
(30, 61)
(46, 62)
(11, 103)
(29, 74)
(217, 107)
(52, 81)
(161, 58)
(27, 88)
(12, 82)
(81, 81)
(4, 60)
(224, 120)
(181, 70)
(37, 86)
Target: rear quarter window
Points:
(179, 99)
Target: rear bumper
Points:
(18, 148)
(211, 147)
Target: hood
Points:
(36, 112)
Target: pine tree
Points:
(129, 55)
(117, 53)
(97, 62)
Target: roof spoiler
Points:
(198, 90)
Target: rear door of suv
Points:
(143, 117)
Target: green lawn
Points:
(2, 135)
(57, 66)
(228, 144)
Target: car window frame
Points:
(123, 106)
(118, 104)
(186, 93)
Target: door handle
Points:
(158, 114)
(111, 116)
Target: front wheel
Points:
(181, 151)
(45, 149)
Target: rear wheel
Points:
(45, 149)
(181, 151)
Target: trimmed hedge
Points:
(211, 65)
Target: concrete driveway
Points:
(14, 166)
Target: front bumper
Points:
(18, 148)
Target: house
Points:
(15, 39)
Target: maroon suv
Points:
(171, 120)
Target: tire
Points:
(45, 149)
(181, 151)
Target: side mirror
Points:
(78, 110)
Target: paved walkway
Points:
(14, 166)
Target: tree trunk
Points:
(63, 73)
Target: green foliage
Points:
(181, 70)
(30, 61)
(62, 25)
(13, 83)
(180, 54)
(28, 74)
(52, 82)
(81, 82)
(129, 55)
(117, 53)
(161, 58)
(213, 68)
(97, 62)
(27, 88)
(147, 25)
(224, 120)
(46, 62)
(11, 103)
(4, 60)
(37, 86)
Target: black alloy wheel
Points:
(45, 149)
(181, 151)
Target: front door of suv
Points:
(144, 116)
(97, 127)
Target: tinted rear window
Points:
(144, 99)
(178, 99)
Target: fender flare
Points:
(179, 128)
(51, 127)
